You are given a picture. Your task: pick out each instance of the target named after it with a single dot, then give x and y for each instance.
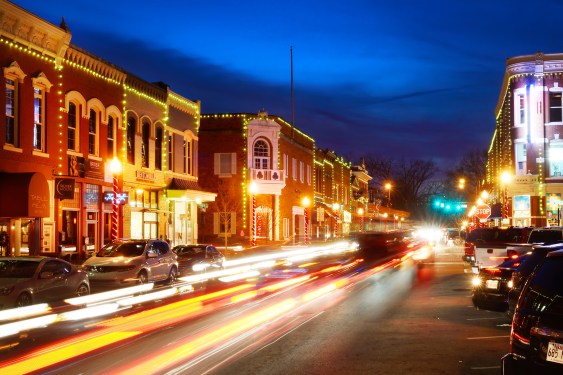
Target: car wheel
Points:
(24, 299)
(82, 290)
(142, 277)
(172, 276)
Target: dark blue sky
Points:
(415, 79)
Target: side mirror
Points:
(152, 254)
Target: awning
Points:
(189, 189)
(24, 195)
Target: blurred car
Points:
(493, 237)
(520, 275)
(492, 285)
(28, 280)
(536, 338)
(198, 258)
(132, 261)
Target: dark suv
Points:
(536, 339)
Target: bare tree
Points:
(228, 207)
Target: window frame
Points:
(14, 73)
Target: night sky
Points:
(415, 79)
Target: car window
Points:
(161, 247)
(127, 249)
(56, 267)
(545, 290)
(17, 268)
(545, 236)
(189, 251)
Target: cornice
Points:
(32, 32)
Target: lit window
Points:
(556, 159)
(131, 140)
(555, 107)
(93, 133)
(145, 145)
(261, 155)
(111, 137)
(72, 127)
(158, 148)
(38, 119)
(12, 128)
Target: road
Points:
(394, 320)
(408, 322)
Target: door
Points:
(52, 281)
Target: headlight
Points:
(6, 290)
(510, 284)
(200, 267)
(476, 281)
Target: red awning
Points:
(24, 195)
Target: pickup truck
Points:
(493, 237)
(493, 254)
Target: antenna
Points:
(292, 95)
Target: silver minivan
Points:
(129, 262)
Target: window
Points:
(521, 167)
(158, 148)
(556, 159)
(111, 136)
(225, 164)
(301, 171)
(261, 155)
(555, 107)
(189, 157)
(38, 119)
(224, 223)
(72, 128)
(131, 140)
(308, 174)
(93, 133)
(520, 107)
(170, 153)
(294, 168)
(12, 128)
(14, 76)
(145, 132)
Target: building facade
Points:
(69, 114)
(261, 169)
(527, 142)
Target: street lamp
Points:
(306, 203)
(388, 188)
(505, 179)
(252, 189)
(115, 168)
(336, 208)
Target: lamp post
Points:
(306, 203)
(388, 188)
(252, 189)
(505, 179)
(115, 167)
(335, 208)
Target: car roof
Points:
(558, 253)
(28, 258)
(550, 247)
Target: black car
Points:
(492, 285)
(198, 258)
(536, 339)
(520, 275)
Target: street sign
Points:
(483, 212)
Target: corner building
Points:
(528, 141)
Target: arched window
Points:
(72, 127)
(158, 134)
(145, 146)
(112, 126)
(93, 133)
(131, 123)
(261, 155)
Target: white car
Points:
(129, 262)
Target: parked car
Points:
(132, 261)
(28, 280)
(492, 285)
(536, 339)
(493, 237)
(198, 258)
(519, 276)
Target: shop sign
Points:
(64, 188)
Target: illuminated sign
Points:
(122, 198)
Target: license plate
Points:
(491, 284)
(555, 352)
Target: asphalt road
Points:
(410, 321)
